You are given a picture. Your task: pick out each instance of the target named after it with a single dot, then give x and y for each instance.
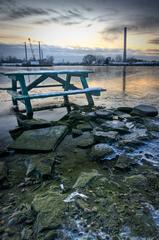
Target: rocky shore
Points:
(94, 174)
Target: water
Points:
(126, 86)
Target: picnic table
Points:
(20, 90)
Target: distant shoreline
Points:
(80, 64)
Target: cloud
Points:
(154, 41)
(69, 17)
(23, 12)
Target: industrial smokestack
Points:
(125, 41)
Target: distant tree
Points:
(100, 60)
(50, 59)
(118, 58)
(89, 59)
(107, 60)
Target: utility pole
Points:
(125, 44)
(26, 55)
(39, 52)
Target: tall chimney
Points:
(125, 39)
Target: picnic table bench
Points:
(20, 90)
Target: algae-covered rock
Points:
(137, 181)
(145, 111)
(76, 132)
(100, 151)
(84, 126)
(34, 123)
(124, 162)
(41, 140)
(50, 210)
(86, 140)
(85, 178)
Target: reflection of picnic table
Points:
(21, 92)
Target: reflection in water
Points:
(124, 79)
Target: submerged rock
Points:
(3, 173)
(124, 162)
(39, 166)
(76, 132)
(41, 140)
(100, 151)
(85, 178)
(145, 111)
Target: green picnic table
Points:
(20, 91)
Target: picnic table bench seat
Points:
(18, 96)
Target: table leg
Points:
(29, 110)
(14, 88)
(88, 95)
(66, 87)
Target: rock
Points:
(124, 162)
(85, 178)
(26, 234)
(41, 140)
(130, 143)
(39, 166)
(76, 132)
(76, 115)
(125, 109)
(49, 207)
(100, 151)
(3, 172)
(86, 140)
(34, 123)
(144, 111)
(106, 114)
(137, 181)
(101, 136)
(115, 125)
(136, 134)
(85, 126)
(152, 125)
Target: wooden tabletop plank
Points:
(41, 72)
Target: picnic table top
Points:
(41, 72)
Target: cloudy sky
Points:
(69, 29)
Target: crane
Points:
(33, 55)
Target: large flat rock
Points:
(41, 140)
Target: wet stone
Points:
(100, 151)
(39, 166)
(125, 162)
(125, 109)
(101, 136)
(145, 111)
(76, 132)
(115, 125)
(86, 140)
(34, 123)
(106, 114)
(137, 181)
(41, 140)
(85, 178)
(85, 126)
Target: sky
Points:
(70, 29)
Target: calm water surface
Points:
(126, 86)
